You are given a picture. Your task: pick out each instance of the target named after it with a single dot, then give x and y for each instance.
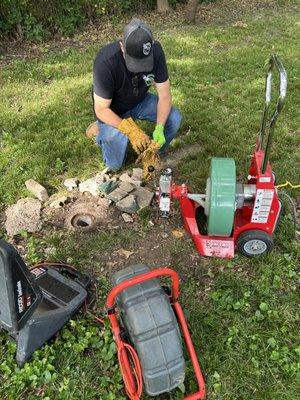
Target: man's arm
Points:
(164, 102)
(139, 140)
(104, 112)
(163, 110)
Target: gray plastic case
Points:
(149, 319)
(36, 304)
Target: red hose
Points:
(132, 378)
(134, 392)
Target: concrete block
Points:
(121, 192)
(143, 197)
(36, 189)
(128, 204)
(24, 215)
(126, 187)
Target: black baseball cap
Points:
(138, 46)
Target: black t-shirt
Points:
(112, 80)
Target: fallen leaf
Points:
(240, 24)
(178, 233)
(111, 264)
(125, 253)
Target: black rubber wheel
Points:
(254, 243)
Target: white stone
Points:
(127, 218)
(59, 201)
(135, 181)
(24, 215)
(36, 189)
(125, 177)
(137, 174)
(99, 178)
(90, 186)
(71, 183)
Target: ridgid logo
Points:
(149, 79)
(20, 297)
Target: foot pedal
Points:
(36, 304)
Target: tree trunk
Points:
(163, 6)
(19, 30)
(191, 10)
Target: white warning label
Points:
(262, 205)
(165, 204)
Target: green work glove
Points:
(158, 135)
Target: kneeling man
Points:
(123, 73)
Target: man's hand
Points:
(158, 135)
(149, 158)
(138, 139)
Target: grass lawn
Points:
(244, 314)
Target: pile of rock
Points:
(129, 196)
(81, 204)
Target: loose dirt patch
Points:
(224, 11)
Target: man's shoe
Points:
(92, 130)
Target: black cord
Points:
(294, 213)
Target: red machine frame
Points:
(256, 216)
(127, 372)
(244, 219)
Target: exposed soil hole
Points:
(83, 221)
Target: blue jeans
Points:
(114, 144)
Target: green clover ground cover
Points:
(244, 314)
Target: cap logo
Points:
(146, 48)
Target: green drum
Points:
(220, 197)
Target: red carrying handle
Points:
(126, 369)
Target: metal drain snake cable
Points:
(294, 211)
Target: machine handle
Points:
(274, 61)
(110, 303)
